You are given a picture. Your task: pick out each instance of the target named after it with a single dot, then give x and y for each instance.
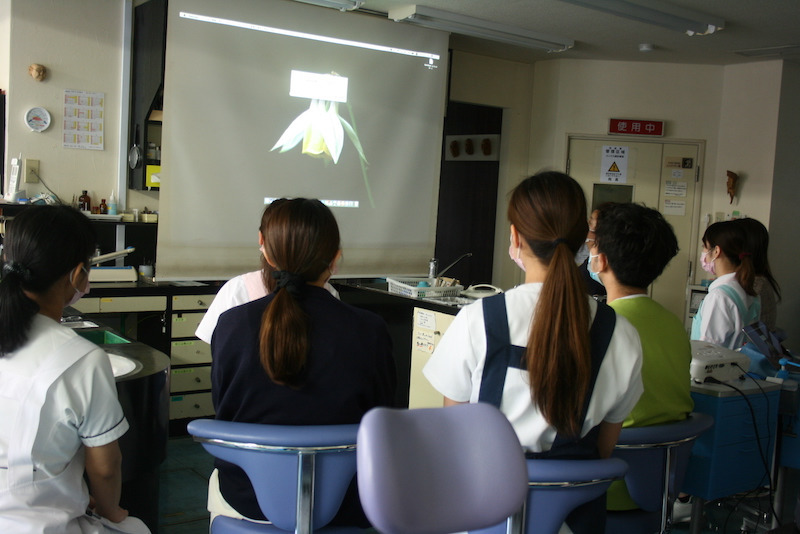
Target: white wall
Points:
(579, 97)
(785, 199)
(748, 130)
(80, 43)
(486, 81)
(5, 39)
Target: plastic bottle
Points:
(103, 207)
(112, 204)
(85, 201)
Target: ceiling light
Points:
(658, 13)
(771, 51)
(463, 25)
(341, 5)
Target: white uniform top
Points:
(720, 320)
(57, 394)
(456, 368)
(235, 292)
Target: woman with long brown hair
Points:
(563, 367)
(298, 356)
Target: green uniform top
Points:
(666, 356)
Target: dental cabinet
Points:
(163, 316)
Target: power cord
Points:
(767, 473)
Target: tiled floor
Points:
(184, 480)
(184, 483)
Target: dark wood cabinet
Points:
(147, 78)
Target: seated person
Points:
(244, 288)
(564, 368)
(633, 244)
(732, 302)
(582, 258)
(60, 419)
(297, 356)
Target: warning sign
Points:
(614, 166)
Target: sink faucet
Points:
(440, 273)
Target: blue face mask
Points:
(595, 276)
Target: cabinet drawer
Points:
(132, 304)
(184, 324)
(193, 405)
(190, 352)
(88, 305)
(191, 302)
(190, 379)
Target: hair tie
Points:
(17, 269)
(743, 255)
(558, 241)
(292, 282)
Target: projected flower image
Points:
(320, 127)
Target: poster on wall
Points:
(83, 120)
(614, 165)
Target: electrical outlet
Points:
(30, 170)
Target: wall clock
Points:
(37, 119)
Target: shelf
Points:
(157, 115)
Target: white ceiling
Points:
(748, 24)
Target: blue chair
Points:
(439, 470)
(657, 457)
(300, 473)
(556, 488)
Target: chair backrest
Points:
(299, 473)
(439, 470)
(556, 488)
(657, 458)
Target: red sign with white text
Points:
(636, 127)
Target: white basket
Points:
(409, 287)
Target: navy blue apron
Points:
(501, 354)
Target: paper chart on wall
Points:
(83, 120)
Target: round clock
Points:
(37, 119)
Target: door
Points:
(659, 175)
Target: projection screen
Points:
(270, 98)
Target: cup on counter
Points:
(146, 271)
(135, 215)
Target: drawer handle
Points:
(197, 379)
(197, 406)
(200, 303)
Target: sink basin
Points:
(122, 366)
(102, 337)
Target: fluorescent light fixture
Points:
(658, 13)
(463, 25)
(771, 51)
(341, 5)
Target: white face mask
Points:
(79, 292)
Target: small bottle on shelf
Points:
(103, 207)
(84, 201)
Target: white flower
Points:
(322, 131)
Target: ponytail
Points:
(746, 273)
(549, 212)
(284, 338)
(558, 355)
(301, 240)
(16, 309)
